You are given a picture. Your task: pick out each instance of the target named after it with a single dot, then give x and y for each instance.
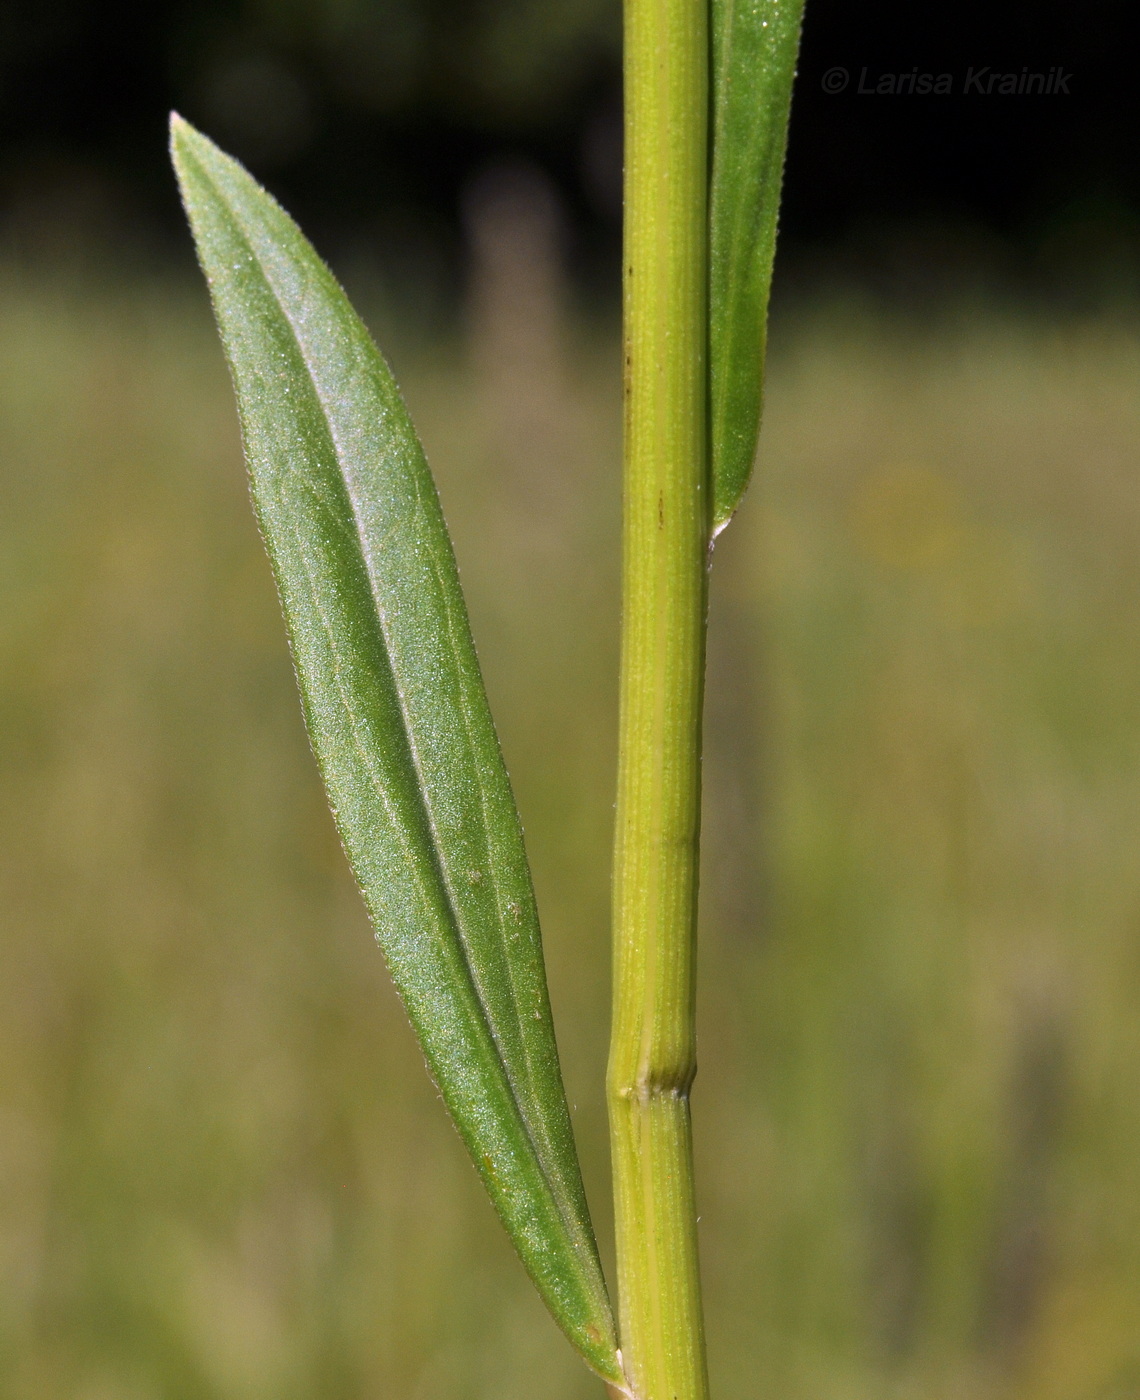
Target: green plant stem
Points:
(666, 535)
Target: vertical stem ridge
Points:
(666, 533)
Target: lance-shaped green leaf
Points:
(398, 717)
(754, 60)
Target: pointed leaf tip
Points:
(398, 717)
(755, 43)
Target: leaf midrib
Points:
(565, 1209)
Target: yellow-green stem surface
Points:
(666, 531)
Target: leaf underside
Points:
(754, 59)
(398, 717)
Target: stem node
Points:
(665, 552)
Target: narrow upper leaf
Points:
(754, 59)
(397, 715)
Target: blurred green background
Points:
(224, 1174)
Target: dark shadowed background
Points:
(369, 116)
(223, 1172)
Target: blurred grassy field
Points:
(223, 1172)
